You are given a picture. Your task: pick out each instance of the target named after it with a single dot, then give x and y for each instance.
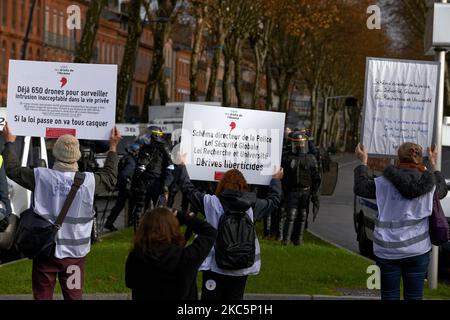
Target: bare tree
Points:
(162, 14)
(126, 72)
(199, 11)
(85, 48)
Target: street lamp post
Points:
(434, 40)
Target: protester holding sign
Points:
(159, 267)
(404, 195)
(233, 209)
(50, 187)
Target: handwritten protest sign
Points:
(48, 99)
(218, 139)
(399, 104)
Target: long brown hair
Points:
(158, 228)
(232, 179)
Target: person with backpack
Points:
(233, 211)
(127, 165)
(159, 266)
(50, 188)
(300, 184)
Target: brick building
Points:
(51, 40)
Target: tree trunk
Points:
(162, 89)
(238, 74)
(211, 93)
(156, 71)
(314, 111)
(330, 136)
(127, 67)
(195, 57)
(226, 82)
(258, 74)
(269, 98)
(284, 94)
(85, 48)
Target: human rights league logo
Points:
(233, 116)
(63, 72)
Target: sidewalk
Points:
(250, 296)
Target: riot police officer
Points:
(301, 181)
(127, 166)
(153, 174)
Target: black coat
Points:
(410, 182)
(171, 273)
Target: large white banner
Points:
(218, 139)
(48, 99)
(399, 104)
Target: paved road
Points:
(335, 219)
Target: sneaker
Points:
(110, 226)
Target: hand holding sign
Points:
(7, 134)
(432, 156)
(114, 140)
(279, 173)
(361, 153)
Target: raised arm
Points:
(363, 186)
(106, 179)
(264, 207)
(22, 175)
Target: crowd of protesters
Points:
(161, 265)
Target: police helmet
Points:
(156, 133)
(133, 147)
(299, 142)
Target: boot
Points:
(292, 214)
(299, 240)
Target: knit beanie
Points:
(67, 149)
(410, 152)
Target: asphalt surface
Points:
(335, 219)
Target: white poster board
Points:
(48, 99)
(128, 129)
(2, 118)
(399, 104)
(218, 139)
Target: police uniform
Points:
(153, 174)
(301, 180)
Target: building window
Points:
(12, 54)
(55, 22)
(61, 31)
(13, 15)
(107, 53)
(38, 17)
(3, 63)
(113, 57)
(4, 12)
(47, 19)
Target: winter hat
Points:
(67, 149)
(410, 152)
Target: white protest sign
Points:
(128, 129)
(48, 99)
(399, 104)
(218, 139)
(2, 117)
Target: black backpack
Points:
(235, 243)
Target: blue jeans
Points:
(412, 270)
